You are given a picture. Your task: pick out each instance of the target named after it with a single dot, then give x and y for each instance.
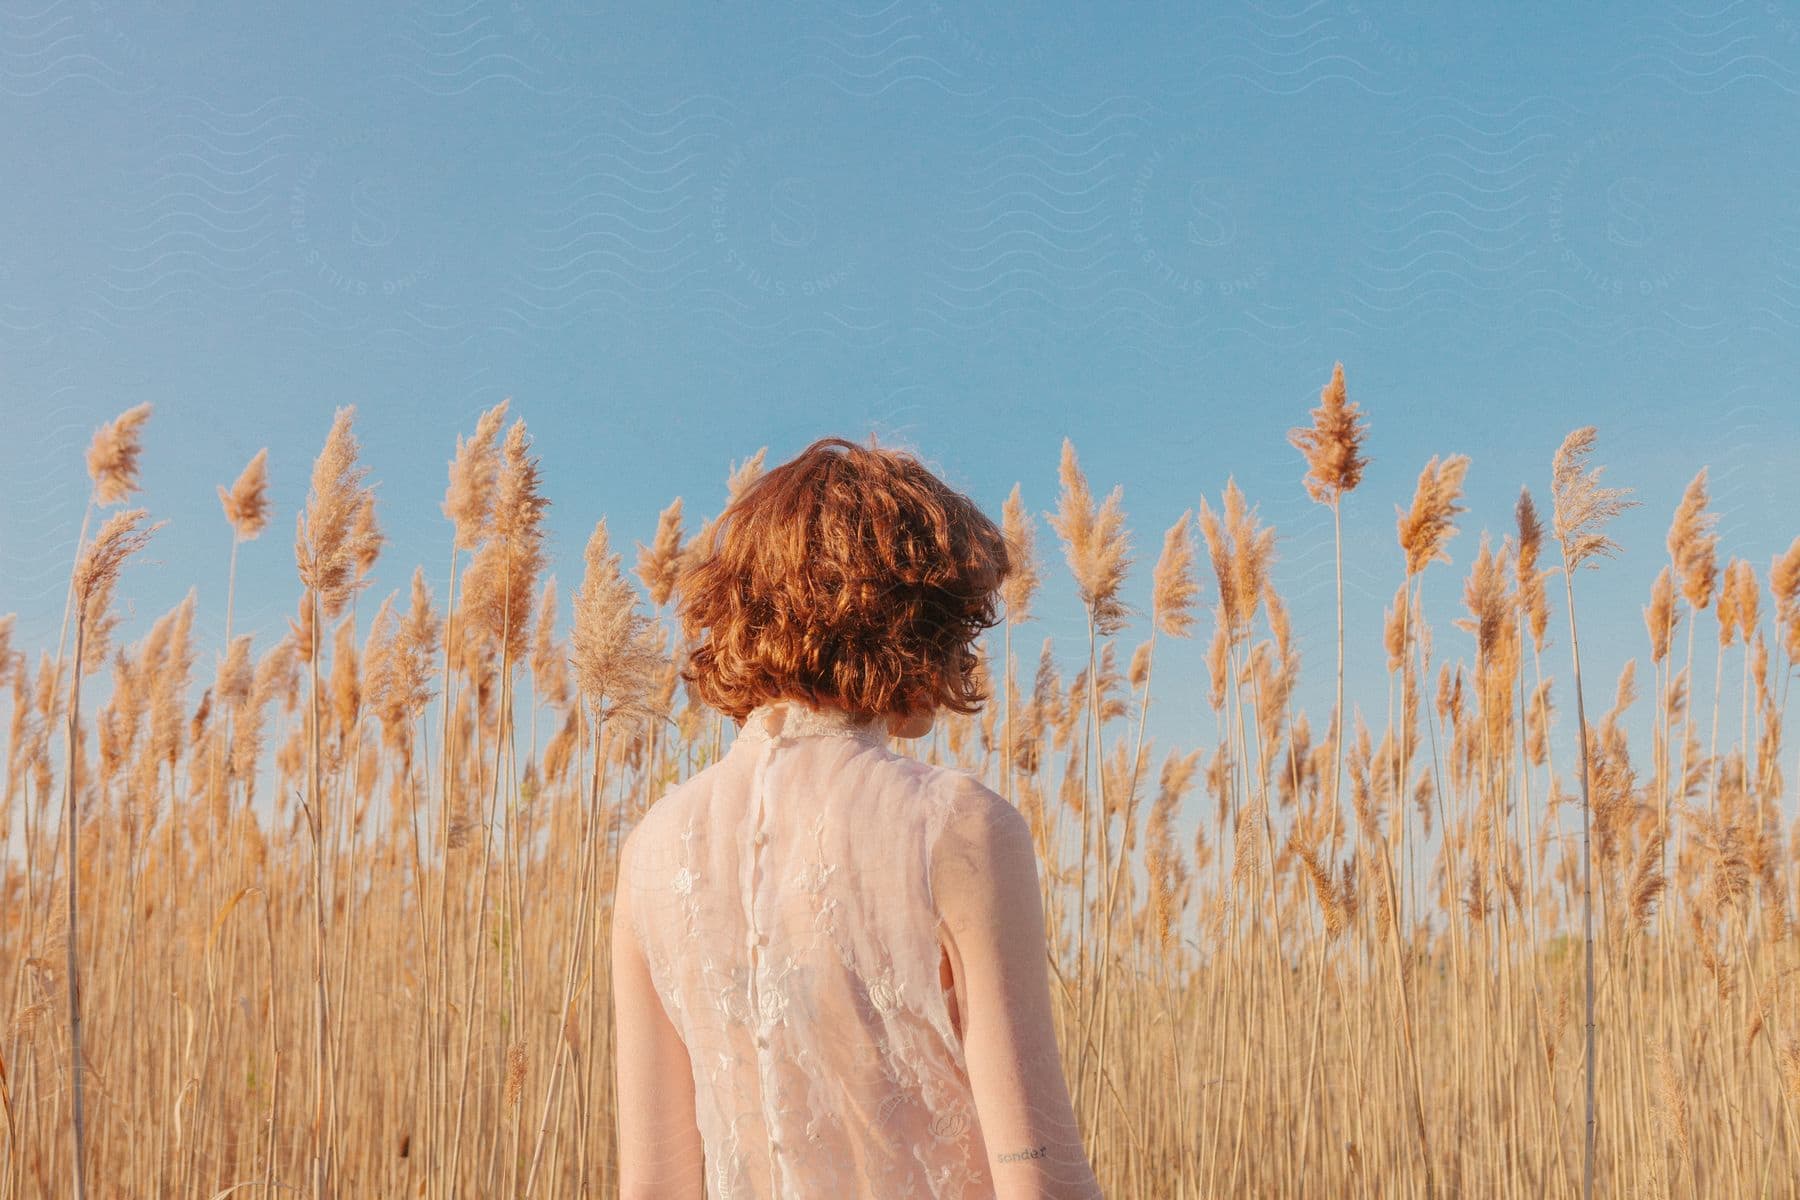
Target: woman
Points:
(828, 957)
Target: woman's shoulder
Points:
(983, 858)
(652, 830)
(973, 823)
(963, 792)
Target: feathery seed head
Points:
(330, 539)
(658, 564)
(1095, 543)
(1020, 586)
(500, 582)
(246, 504)
(95, 574)
(616, 660)
(1532, 597)
(1241, 551)
(1582, 506)
(469, 499)
(1332, 445)
(112, 457)
(1172, 583)
(1428, 526)
(1660, 617)
(1748, 602)
(1727, 612)
(1693, 546)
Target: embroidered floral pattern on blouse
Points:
(813, 877)
(951, 1124)
(882, 990)
(735, 1004)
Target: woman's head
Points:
(850, 576)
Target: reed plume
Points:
(1094, 542)
(1485, 596)
(112, 456)
(330, 540)
(469, 498)
(498, 587)
(98, 571)
(698, 546)
(1746, 604)
(1427, 527)
(1528, 575)
(1583, 507)
(419, 635)
(1173, 588)
(1693, 546)
(366, 535)
(1784, 586)
(1332, 445)
(1660, 617)
(7, 664)
(517, 1064)
(1168, 874)
(1672, 1103)
(1017, 592)
(1241, 551)
(246, 503)
(615, 658)
(658, 564)
(743, 476)
(549, 663)
(1020, 586)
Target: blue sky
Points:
(674, 235)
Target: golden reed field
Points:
(329, 915)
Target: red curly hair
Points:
(850, 576)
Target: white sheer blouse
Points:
(790, 904)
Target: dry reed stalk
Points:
(1582, 510)
(1423, 531)
(1332, 448)
(497, 593)
(92, 587)
(616, 664)
(1097, 548)
(467, 505)
(112, 467)
(1172, 599)
(329, 544)
(246, 508)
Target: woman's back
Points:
(784, 902)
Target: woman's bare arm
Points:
(985, 883)
(660, 1151)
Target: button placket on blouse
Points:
(755, 939)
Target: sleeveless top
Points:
(783, 900)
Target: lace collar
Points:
(781, 720)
